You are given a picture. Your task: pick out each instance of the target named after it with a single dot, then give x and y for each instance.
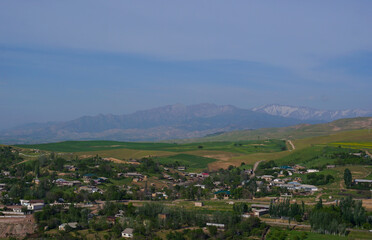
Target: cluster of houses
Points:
(290, 183)
(25, 206)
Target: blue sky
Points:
(60, 60)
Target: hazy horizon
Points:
(63, 60)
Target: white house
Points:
(127, 233)
(33, 205)
(63, 226)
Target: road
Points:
(255, 167)
(292, 145)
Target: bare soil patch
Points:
(17, 227)
(367, 203)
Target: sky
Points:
(60, 60)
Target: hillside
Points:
(293, 132)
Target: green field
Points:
(244, 147)
(354, 145)
(277, 233)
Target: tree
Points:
(319, 205)
(347, 177)
(212, 230)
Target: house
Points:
(127, 233)
(297, 179)
(87, 177)
(260, 212)
(285, 196)
(163, 216)
(299, 167)
(277, 181)
(134, 175)
(312, 170)
(260, 209)
(72, 225)
(267, 178)
(205, 175)
(216, 183)
(111, 219)
(15, 209)
(331, 166)
(199, 204)
(286, 167)
(363, 182)
(120, 214)
(181, 168)
(102, 179)
(62, 182)
(218, 225)
(159, 195)
(71, 168)
(89, 189)
(299, 186)
(36, 206)
(33, 205)
(248, 215)
(248, 171)
(36, 181)
(260, 206)
(225, 194)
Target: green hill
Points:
(292, 132)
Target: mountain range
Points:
(306, 113)
(169, 122)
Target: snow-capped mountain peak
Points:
(306, 113)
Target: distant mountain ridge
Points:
(306, 113)
(168, 122)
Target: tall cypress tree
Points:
(347, 177)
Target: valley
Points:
(207, 176)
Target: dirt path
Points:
(292, 145)
(255, 167)
(266, 232)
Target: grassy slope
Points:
(292, 132)
(243, 147)
(195, 155)
(228, 153)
